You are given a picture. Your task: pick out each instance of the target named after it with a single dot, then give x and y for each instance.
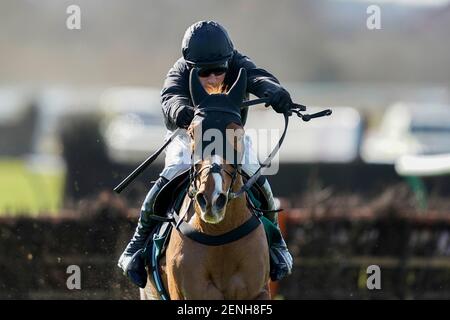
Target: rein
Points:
(254, 221)
(213, 168)
(296, 108)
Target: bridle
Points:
(177, 221)
(296, 108)
(213, 168)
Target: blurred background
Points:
(79, 109)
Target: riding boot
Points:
(132, 261)
(280, 259)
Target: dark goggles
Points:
(206, 72)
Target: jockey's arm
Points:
(260, 82)
(175, 93)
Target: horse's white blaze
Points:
(214, 214)
(217, 180)
(217, 185)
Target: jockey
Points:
(207, 47)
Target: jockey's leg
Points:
(280, 258)
(177, 160)
(131, 261)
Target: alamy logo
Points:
(234, 146)
(73, 21)
(74, 280)
(374, 280)
(373, 21)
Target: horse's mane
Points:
(222, 88)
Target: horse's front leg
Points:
(187, 286)
(212, 293)
(265, 294)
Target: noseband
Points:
(212, 168)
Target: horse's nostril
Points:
(221, 201)
(201, 200)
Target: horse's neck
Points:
(236, 214)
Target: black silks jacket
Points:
(175, 93)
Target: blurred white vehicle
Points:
(333, 139)
(133, 125)
(408, 129)
(54, 103)
(13, 103)
(134, 128)
(15, 123)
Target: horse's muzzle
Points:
(212, 211)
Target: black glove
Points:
(280, 100)
(184, 116)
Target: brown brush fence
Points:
(332, 251)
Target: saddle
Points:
(179, 184)
(170, 192)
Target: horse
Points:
(238, 269)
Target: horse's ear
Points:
(237, 91)
(198, 93)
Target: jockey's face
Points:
(212, 81)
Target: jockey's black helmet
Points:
(206, 44)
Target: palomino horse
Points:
(238, 269)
